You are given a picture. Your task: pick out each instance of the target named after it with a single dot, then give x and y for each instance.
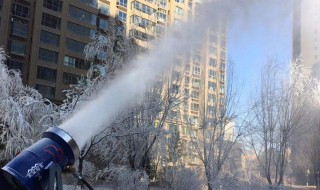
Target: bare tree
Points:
(152, 115)
(277, 114)
(216, 134)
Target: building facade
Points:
(45, 40)
(306, 33)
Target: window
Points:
(195, 94)
(91, 3)
(222, 66)
(178, 11)
(75, 46)
(49, 38)
(82, 15)
(104, 9)
(46, 91)
(69, 78)
(19, 29)
(222, 77)
(80, 30)
(76, 62)
(196, 70)
(48, 56)
(186, 105)
(161, 30)
(163, 4)
(122, 16)
(19, 20)
(143, 8)
(14, 64)
(120, 29)
(51, 21)
(196, 82)
(221, 90)
(194, 120)
(18, 48)
(212, 62)
(142, 22)
(211, 110)
(212, 74)
(194, 107)
(193, 133)
(103, 24)
(180, 1)
(152, 1)
(55, 5)
(187, 80)
(45, 73)
(161, 17)
(141, 35)
(222, 101)
(185, 131)
(211, 98)
(186, 92)
(175, 89)
(20, 10)
(212, 86)
(173, 114)
(123, 3)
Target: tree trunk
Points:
(80, 171)
(317, 181)
(210, 186)
(80, 167)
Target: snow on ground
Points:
(72, 187)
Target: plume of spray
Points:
(127, 88)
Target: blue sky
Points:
(263, 32)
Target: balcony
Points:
(122, 5)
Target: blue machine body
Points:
(29, 169)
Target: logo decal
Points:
(34, 169)
(57, 153)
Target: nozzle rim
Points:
(66, 137)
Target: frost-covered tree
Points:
(150, 116)
(24, 113)
(306, 151)
(108, 52)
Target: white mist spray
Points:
(127, 88)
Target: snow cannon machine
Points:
(40, 165)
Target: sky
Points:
(265, 31)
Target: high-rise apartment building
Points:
(45, 40)
(306, 32)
